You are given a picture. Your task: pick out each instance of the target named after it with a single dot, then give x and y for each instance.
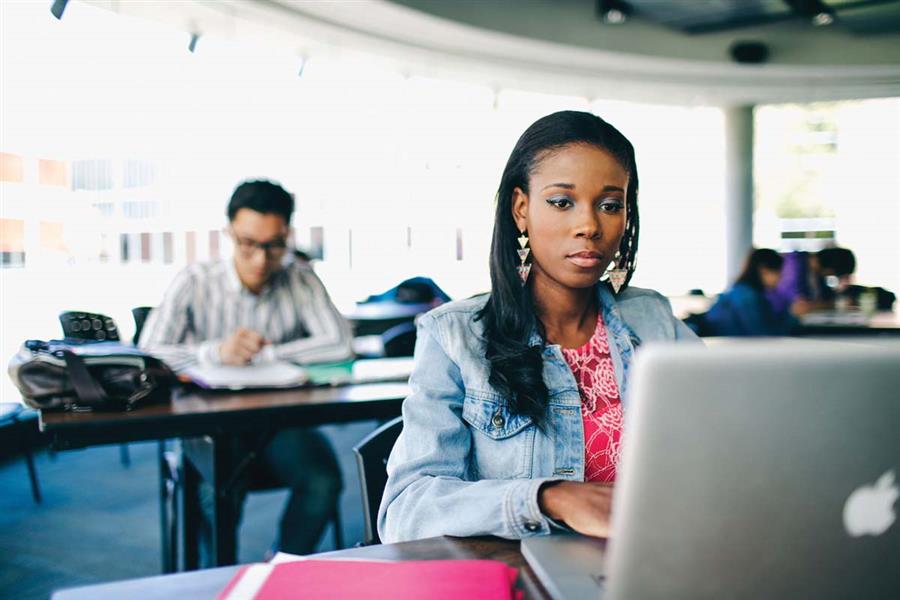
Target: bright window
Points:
(829, 174)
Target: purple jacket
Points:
(797, 282)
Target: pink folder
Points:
(426, 579)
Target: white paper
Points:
(383, 369)
(264, 375)
(251, 582)
(286, 557)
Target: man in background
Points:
(261, 304)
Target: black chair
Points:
(140, 317)
(399, 340)
(371, 459)
(698, 324)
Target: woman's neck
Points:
(569, 316)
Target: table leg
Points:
(225, 519)
(168, 509)
(209, 458)
(191, 502)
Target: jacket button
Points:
(532, 526)
(498, 421)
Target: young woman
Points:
(514, 421)
(744, 310)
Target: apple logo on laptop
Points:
(870, 508)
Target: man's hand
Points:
(241, 346)
(583, 506)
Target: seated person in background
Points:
(803, 286)
(744, 309)
(262, 304)
(514, 419)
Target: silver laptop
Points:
(750, 470)
(567, 565)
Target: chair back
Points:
(400, 340)
(698, 324)
(87, 326)
(140, 317)
(371, 459)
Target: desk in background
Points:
(828, 323)
(207, 420)
(822, 323)
(208, 583)
(682, 306)
(374, 318)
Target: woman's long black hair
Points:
(760, 258)
(509, 315)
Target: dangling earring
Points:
(617, 276)
(523, 252)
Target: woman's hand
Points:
(801, 306)
(583, 506)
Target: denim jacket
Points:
(464, 465)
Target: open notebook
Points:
(264, 375)
(287, 375)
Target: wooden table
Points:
(197, 413)
(206, 421)
(208, 583)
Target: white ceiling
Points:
(638, 61)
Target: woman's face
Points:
(769, 277)
(574, 214)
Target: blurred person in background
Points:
(804, 284)
(744, 309)
(262, 304)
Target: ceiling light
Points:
(614, 12)
(823, 18)
(614, 16)
(817, 11)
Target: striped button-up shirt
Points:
(206, 303)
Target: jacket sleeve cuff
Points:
(558, 525)
(523, 513)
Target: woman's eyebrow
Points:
(571, 186)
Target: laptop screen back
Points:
(759, 470)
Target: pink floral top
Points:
(601, 407)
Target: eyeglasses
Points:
(248, 248)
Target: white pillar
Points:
(738, 187)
